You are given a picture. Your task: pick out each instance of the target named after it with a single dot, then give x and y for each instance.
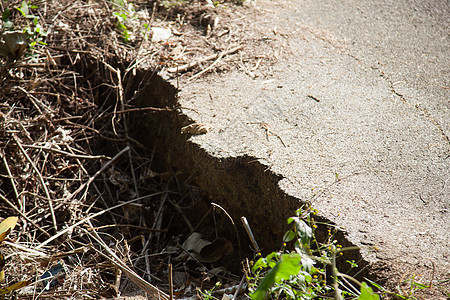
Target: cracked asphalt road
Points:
(356, 111)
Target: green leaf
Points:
(260, 263)
(375, 285)
(304, 231)
(352, 263)
(287, 266)
(306, 276)
(258, 295)
(6, 14)
(23, 9)
(272, 259)
(7, 24)
(121, 18)
(289, 292)
(367, 293)
(288, 236)
(420, 285)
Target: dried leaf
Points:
(2, 265)
(14, 287)
(204, 251)
(179, 279)
(15, 44)
(4, 234)
(118, 179)
(193, 244)
(217, 271)
(109, 291)
(7, 226)
(2, 262)
(215, 250)
(194, 129)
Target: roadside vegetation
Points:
(87, 210)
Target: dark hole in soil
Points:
(190, 179)
(242, 186)
(180, 179)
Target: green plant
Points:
(352, 264)
(367, 293)
(124, 12)
(16, 40)
(207, 294)
(121, 19)
(412, 286)
(302, 273)
(34, 29)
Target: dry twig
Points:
(43, 183)
(147, 287)
(193, 64)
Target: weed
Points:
(122, 12)
(352, 263)
(121, 18)
(127, 20)
(27, 32)
(408, 293)
(302, 273)
(33, 29)
(207, 294)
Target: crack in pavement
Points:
(421, 110)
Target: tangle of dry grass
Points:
(91, 208)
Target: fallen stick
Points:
(91, 179)
(41, 179)
(23, 215)
(208, 68)
(71, 155)
(154, 292)
(16, 193)
(204, 59)
(250, 234)
(232, 223)
(67, 229)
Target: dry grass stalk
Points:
(64, 109)
(111, 255)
